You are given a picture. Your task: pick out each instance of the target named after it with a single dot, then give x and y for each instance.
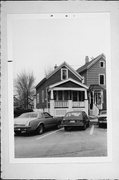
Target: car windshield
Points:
(31, 115)
(74, 114)
(103, 112)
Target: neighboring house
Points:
(94, 74)
(62, 91)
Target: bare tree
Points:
(24, 86)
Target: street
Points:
(59, 143)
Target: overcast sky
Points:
(40, 43)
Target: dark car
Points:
(102, 118)
(35, 121)
(75, 119)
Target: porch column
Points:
(51, 94)
(52, 104)
(70, 105)
(101, 99)
(86, 94)
(86, 102)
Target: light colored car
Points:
(35, 121)
(102, 118)
(75, 119)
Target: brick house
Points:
(94, 74)
(62, 91)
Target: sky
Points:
(41, 41)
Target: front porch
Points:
(96, 99)
(63, 100)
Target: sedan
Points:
(35, 121)
(75, 119)
(102, 118)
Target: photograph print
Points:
(60, 85)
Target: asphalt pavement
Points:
(91, 142)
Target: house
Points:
(94, 74)
(62, 91)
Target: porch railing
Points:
(61, 104)
(78, 104)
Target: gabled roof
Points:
(90, 63)
(69, 67)
(69, 79)
(55, 70)
(41, 82)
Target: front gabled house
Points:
(62, 91)
(94, 74)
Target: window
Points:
(102, 79)
(75, 97)
(59, 95)
(64, 74)
(102, 64)
(65, 95)
(46, 115)
(81, 96)
(42, 96)
(37, 98)
(55, 95)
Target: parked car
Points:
(102, 118)
(35, 121)
(75, 119)
(19, 111)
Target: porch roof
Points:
(95, 87)
(64, 85)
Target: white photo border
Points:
(12, 168)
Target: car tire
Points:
(99, 125)
(40, 129)
(84, 127)
(66, 128)
(17, 133)
(58, 125)
(88, 124)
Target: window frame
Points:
(62, 73)
(103, 64)
(99, 79)
(37, 98)
(43, 96)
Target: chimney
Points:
(86, 59)
(55, 66)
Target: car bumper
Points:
(22, 129)
(73, 124)
(102, 122)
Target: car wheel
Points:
(17, 133)
(88, 124)
(40, 129)
(84, 126)
(66, 128)
(99, 125)
(58, 125)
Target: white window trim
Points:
(43, 96)
(99, 79)
(37, 98)
(103, 64)
(62, 73)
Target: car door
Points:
(48, 120)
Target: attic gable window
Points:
(102, 64)
(64, 74)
